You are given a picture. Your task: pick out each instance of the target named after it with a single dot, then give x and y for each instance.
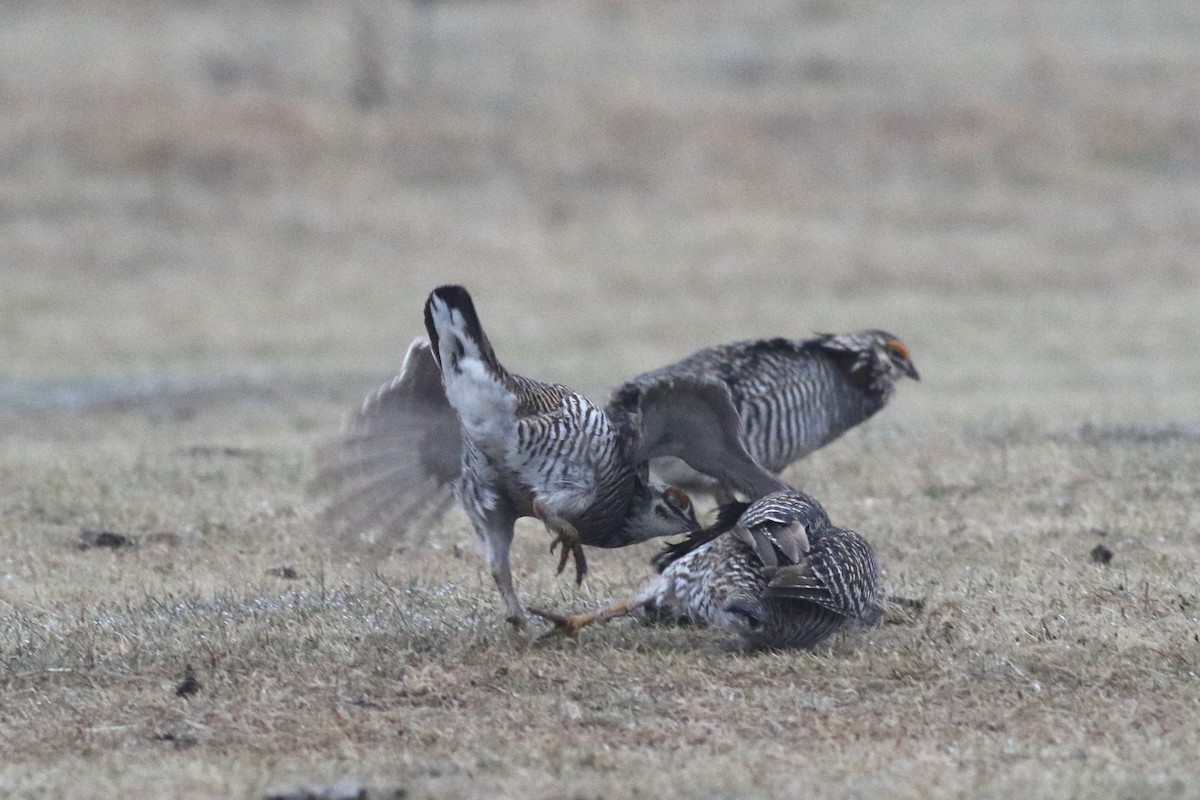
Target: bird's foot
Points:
(566, 535)
(571, 548)
(563, 625)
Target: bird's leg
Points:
(498, 535)
(566, 535)
(570, 625)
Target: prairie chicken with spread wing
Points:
(775, 571)
(527, 448)
(793, 397)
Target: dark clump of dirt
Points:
(343, 790)
(178, 741)
(1101, 554)
(216, 451)
(114, 541)
(287, 573)
(189, 685)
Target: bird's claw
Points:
(571, 548)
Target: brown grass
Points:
(218, 223)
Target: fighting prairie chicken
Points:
(775, 571)
(792, 396)
(527, 448)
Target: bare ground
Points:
(218, 222)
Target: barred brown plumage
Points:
(792, 396)
(526, 448)
(775, 571)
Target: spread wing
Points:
(399, 457)
(694, 419)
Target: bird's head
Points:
(746, 615)
(669, 512)
(874, 359)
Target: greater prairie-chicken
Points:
(775, 571)
(792, 396)
(526, 448)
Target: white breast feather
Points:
(486, 407)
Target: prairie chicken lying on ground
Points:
(793, 397)
(776, 572)
(527, 448)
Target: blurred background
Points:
(219, 220)
(194, 193)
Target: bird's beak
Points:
(911, 371)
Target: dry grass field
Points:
(218, 222)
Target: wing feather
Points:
(694, 419)
(838, 573)
(399, 457)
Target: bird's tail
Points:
(475, 381)
(454, 328)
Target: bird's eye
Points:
(677, 498)
(751, 615)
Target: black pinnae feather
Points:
(727, 516)
(673, 552)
